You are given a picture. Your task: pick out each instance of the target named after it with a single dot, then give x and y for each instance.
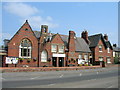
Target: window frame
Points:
(108, 50)
(44, 53)
(61, 50)
(100, 48)
(28, 49)
(102, 59)
(53, 49)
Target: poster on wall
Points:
(11, 60)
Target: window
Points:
(100, 58)
(44, 56)
(25, 49)
(86, 57)
(61, 49)
(100, 48)
(108, 49)
(108, 60)
(80, 56)
(54, 48)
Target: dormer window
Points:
(100, 48)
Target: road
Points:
(87, 78)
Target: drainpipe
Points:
(38, 52)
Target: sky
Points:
(95, 17)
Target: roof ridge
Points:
(95, 35)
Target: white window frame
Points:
(20, 53)
(44, 56)
(101, 59)
(61, 49)
(108, 60)
(53, 48)
(108, 49)
(80, 56)
(86, 57)
(100, 46)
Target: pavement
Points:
(87, 78)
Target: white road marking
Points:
(61, 76)
(97, 72)
(3, 78)
(34, 78)
(110, 87)
(80, 74)
(50, 84)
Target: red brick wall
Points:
(104, 52)
(13, 45)
(56, 40)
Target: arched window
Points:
(25, 49)
(44, 56)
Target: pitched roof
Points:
(94, 39)
(37, 34)
(117, 49)
(81, 45)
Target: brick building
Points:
(101, 48)
(40, 48)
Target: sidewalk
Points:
(38, 69)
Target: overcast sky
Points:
(95, 17)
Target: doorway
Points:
(61, 61)
(54, 61)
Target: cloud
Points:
(25, 11)
(4, 36)
(20, 9)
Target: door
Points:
(61, 61)
(54, 61)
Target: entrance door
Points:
(54, 61)
(61, 62)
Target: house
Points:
(101, 48)
(116, 54)
(41, 48)
(3, 54)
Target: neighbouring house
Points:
(101, 48)
(116, 54)
(28, 48)
(3, 54)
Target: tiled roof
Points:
(94, 39)
(117, 49)
(81, 45)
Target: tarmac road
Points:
(88, 78)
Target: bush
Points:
(90, 65)
(80, 64)
(86, 65)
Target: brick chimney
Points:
(44, 29)
(106, 37)
(114, 45)
(71, 41)
(84, 35)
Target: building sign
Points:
(11, 60)
(58, 55)
(81, 61)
